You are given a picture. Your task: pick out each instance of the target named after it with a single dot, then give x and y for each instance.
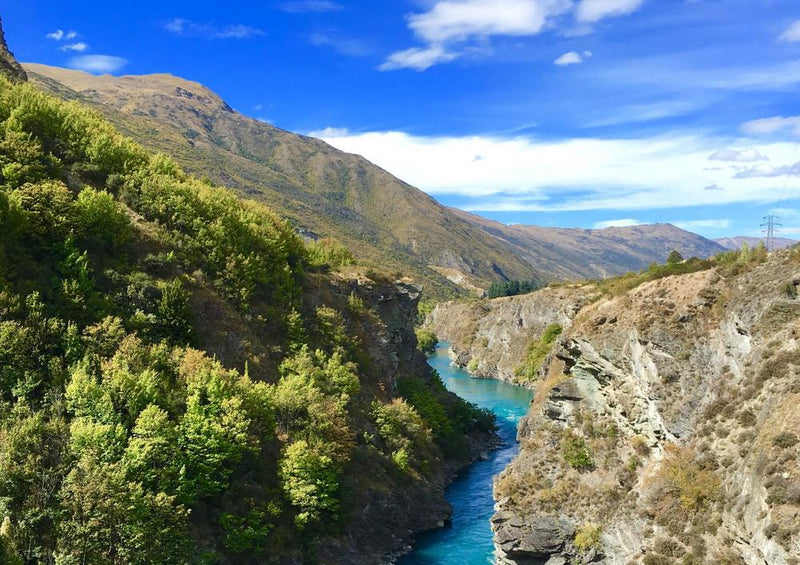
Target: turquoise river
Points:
(468, 540)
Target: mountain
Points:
(182, 380)
(734, 243)
(9, 67)
(388, 224)
(664, 427)
(570, 253)
(321, 190)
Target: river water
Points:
(468, 541)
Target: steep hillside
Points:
(9, 67)
(665, 427)
(323, 191)
(734, 243)
(571, 254)
(183, 381)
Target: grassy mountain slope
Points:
(570, 254)
(386, 222)
(181, 381)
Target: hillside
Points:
(182, 380)
(734, 243)
(387, 223)
(571, 254)
(665, 425)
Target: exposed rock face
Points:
(9, 66)
(665, 427)
(494, 335)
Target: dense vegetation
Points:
(537, 352)
(120, 440)
(511, 288)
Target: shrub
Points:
(537, 351)
(403, 431)
(588, 537)
(473, 365)
(788, 289)
(426, 340)
(329, 252)
(785, 440)
(576, 453)
(674, 257)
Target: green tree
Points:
(310, 479)
(674, 257)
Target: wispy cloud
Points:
(60, 34)
(768, 171)
(775, 124)
(310, 6)
(459, 22)
(792, 33)
(98, 64)
(739, 156)
(417, 58)
(592, 11)
(691, 225)
(528, 174)
(572, 58)
(80, 47)
(343, 45)
(187, 28)
(621, 223)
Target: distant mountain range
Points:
(737, 241)
(325, 192)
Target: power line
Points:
(768, 228)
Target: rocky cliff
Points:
(9, 67)
(665, 425)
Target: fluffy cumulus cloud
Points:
(98, 64)
(621, 223)
(528, 174)
(775, 124)
(739, 156)
(792, 33)
(450, 23)
(188, 28)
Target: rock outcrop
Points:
(665, 426)
(9, 67)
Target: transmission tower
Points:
(768, 228)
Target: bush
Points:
(588, 537)
(538, 351)
(785, 440)
(328, 252)
(426, 340)
(576, 453)
(404, 433)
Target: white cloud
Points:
(417, 58)
(329, 133)
(591, 11)
(621, 223)
(310, 6)
(458, 20)
(344, 45)
(188, 28)
(528, 174)
(691, 225)
(739, 156)
(714, 186)
(80, 47)
(97, 63)
(768, 171)
(774, 124)
(571, 58)
(792, 33)
(449, 22)
(60, 34)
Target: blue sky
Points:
(554, 112)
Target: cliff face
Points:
(665, 426)
(9, 67)
(491, 337)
